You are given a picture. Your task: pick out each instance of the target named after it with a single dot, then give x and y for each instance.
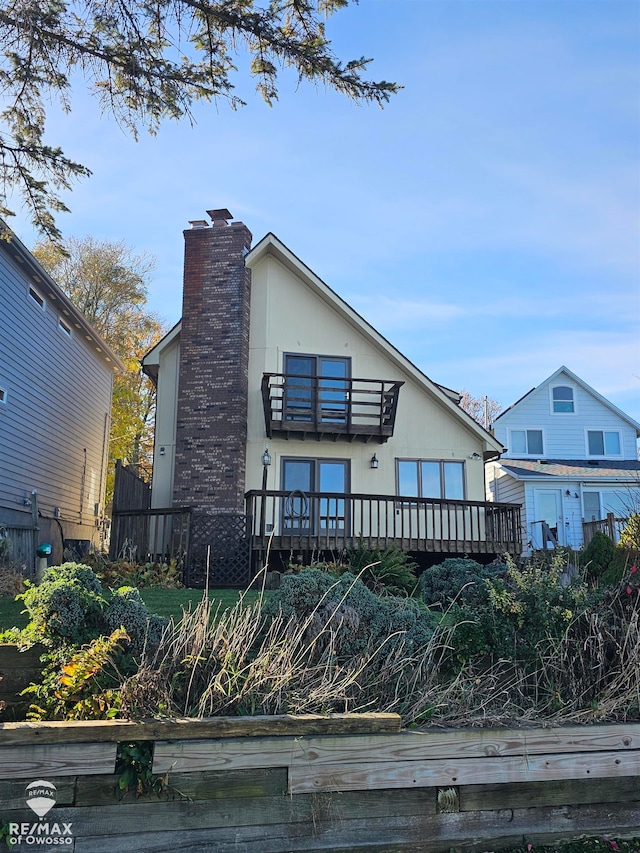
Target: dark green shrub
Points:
(66, 607)
(358, 617)
(457, 578)
(513, 613)
(623, 559)
(597, 556)
(71, 608)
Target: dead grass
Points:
(240, 663)
(11, 582)
(234, 661)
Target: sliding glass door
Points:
(316, 389)
(306, 515)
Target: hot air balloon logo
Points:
(41, 796)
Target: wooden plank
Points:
(240, 754)
(12, 793)
(270, 782)
(17, 671)
(415, 746)
(34, 762)
(424, 833)
(565, 792)
(187, 728)
(256, 811)
(186, 816)
(468, 743)
(462, 771)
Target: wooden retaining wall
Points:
(342, 783)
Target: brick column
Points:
(211, 424)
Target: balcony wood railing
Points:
(308, 521)
(354, 409)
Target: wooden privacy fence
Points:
(342, 783)
(610, 525)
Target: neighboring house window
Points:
(603, 443)
(526, 441)
(316, 388)
(3, 395)
(591, 504)
(562, 397)
(39, 300)
(64, 327)
(423, 478)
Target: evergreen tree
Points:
(147, 60)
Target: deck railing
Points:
(307, 521)
(355, 408)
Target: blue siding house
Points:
(56, 379)
(571, 456)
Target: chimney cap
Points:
(198, 223)
(220, 216)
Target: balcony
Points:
(339, 409)
(331, 521)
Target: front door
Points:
(306, 515)
(548, 509)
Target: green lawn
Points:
(163, 602)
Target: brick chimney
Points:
(211, 424)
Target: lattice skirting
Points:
(222, 542)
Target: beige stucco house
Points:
(279, 403)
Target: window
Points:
(3, 395)
(603, 443)
(591, 502)
(527, 441)
(423, 478)
(562, 397)
(63, 327)
(33, 293)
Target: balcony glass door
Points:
(333, 389)
(299, 388)
(316, 388)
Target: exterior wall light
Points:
(266, 461)
(374, 461)
(474, 455)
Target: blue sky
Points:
(487, 221)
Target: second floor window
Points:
(526, 441)
(563, 399)
(425, 478)
(603, 443)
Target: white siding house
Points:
(55, 401)
(571, 456)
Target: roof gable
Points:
(270, 245)
(564, 371)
